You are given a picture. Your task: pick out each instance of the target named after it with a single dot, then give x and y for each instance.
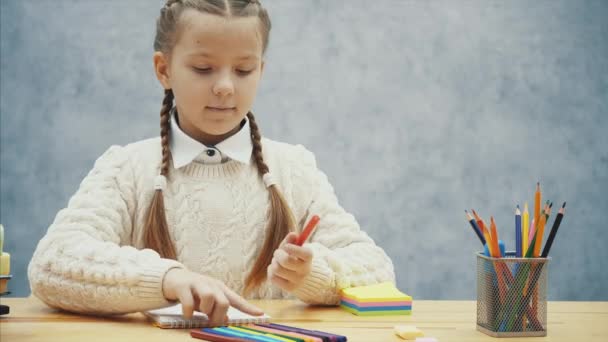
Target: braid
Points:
(156, 231)
(280, 220)
(257, 145)
(165, 119)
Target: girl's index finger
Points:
(187, 302)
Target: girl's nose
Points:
(224, 85)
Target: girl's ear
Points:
(161, 67)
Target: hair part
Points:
(168, 24)
(280, 220)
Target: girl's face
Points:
(214, 70)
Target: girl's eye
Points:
(203, 70)
(243, 72)
(239, 72)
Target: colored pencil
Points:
(524, 234)
(556, 223)
(482, 228)
(475, 227)
(495, 236)
(282, 333)
(531, 232)
(540, 229)
(500, 267)
(485, 231)
(537, 200)
(307, 230)
(214, 337)
(518, 233)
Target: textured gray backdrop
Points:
(416, 110)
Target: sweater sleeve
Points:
(343, 254)
(82, 263)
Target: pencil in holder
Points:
(512, 296)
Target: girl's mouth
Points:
(221, 109)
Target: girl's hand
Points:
(201, 293)
(290, 264)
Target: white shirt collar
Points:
(185, 149)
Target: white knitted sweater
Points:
(92, 259)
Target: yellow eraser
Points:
(5, 264)
(408, 332)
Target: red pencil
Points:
(310, 227)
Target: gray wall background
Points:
(416, 110)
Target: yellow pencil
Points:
(526, 224)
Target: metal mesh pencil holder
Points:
(512, 296)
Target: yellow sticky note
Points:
(408, 332)
(383, 292)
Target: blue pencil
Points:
(518, 252)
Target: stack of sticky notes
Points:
(376, 300)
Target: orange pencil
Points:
(537, 200)
(494, 236)
(500, 268)
(488, 237)
(540, 229)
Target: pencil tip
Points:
(550, 205)
(518, 206)
(564, 205)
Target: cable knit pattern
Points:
(92, 259)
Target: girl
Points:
(197, 216)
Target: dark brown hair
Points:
(281, 221)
